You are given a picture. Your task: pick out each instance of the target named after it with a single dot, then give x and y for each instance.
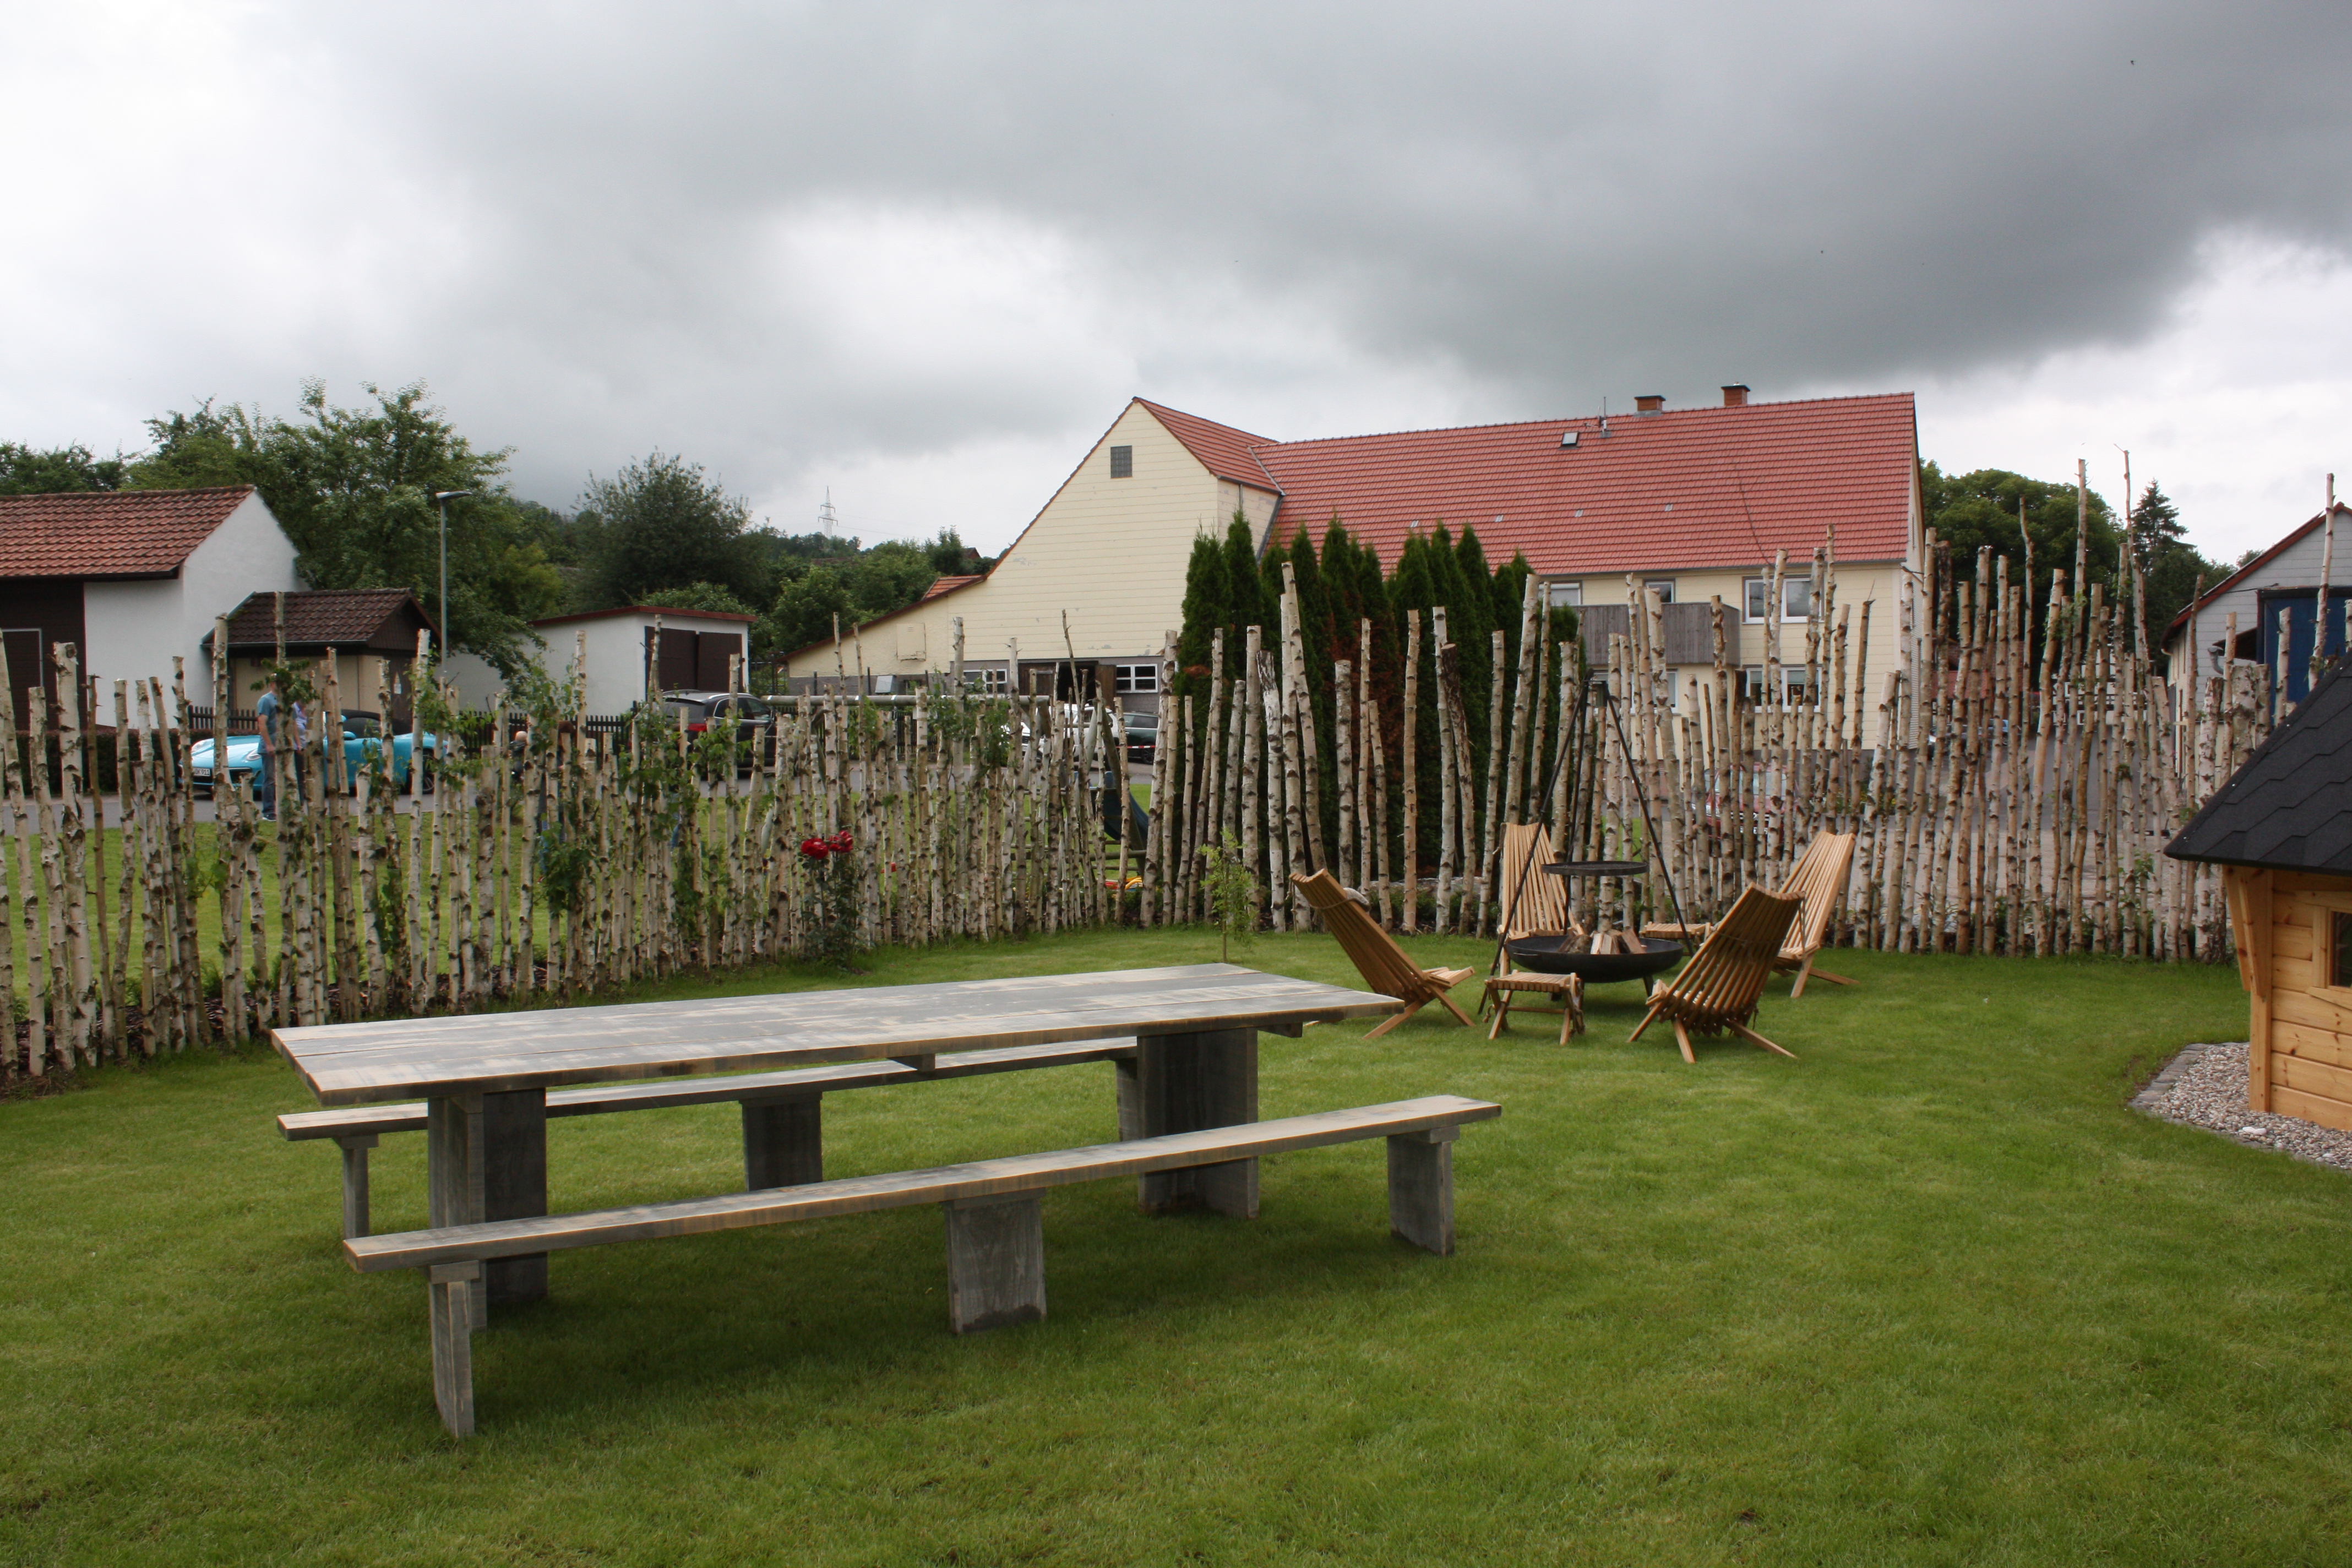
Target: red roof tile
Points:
(114, 533)
(1222, 449)
(320, 616)
(950, 585)
(1688, 489)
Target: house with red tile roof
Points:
(369, 633)
(131, 579)
(1693, 505)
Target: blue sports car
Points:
(362, 742)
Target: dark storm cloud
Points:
(1540, 205)
(1564, 200)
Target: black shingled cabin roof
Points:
(2290, 807)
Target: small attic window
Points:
(1122, 462)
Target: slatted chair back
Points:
(1818, 880)
(1719, 987)
(1385, 966)
(1535, 903)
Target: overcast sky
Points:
(922, 255)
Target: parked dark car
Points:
(1142, 737)
(752, 718)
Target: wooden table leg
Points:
(784, 1141)
(1186, 1082)
(514, 1186)
(453, 1175)
(486, 1158)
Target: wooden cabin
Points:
(2282, 827)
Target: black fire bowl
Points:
(1543, 954)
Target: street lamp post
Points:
(444, 498)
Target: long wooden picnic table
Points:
(485, 1077)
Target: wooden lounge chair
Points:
(1818, 880)
(1383, 965)
(1534, 904)
(1717, 989)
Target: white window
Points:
(991, 680)
(1663, 587)
(1564, 595)
(1130, 679)
(1792, 679)
(1796, 597)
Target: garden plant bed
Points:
(1933, 1293)
(2205, 1085)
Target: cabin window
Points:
(1122, 462)
(2340, 948)
(1796, 598)
(1136, 679)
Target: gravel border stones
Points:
(2205, 1085)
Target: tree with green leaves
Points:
(353, 489)
(2171, 564)
(1206, 593)
(662, 523)
(806, 610)
(33, 471)
(705, 597)
(1983, 509)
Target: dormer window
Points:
(1122, 462)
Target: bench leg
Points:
(450, 1288)
(355, 1149)
(514, 1186)
(784, 1141)
(453, 1164)
(996, 1262)
(1421, 1188)
(1188, 1082)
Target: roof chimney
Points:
(1735, 395)
(1649, 403)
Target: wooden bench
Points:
(782, 1111)
(995, 1233)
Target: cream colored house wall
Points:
(1879, 582)
(1112, 552)
(356, 673)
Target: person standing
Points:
(265, 786)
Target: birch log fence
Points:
(556, 856)
(2011, 783)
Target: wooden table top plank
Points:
(902, 1189)
(778, 1015)
(357, 1064)
(396, 1116)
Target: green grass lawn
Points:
(1930, 1294)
